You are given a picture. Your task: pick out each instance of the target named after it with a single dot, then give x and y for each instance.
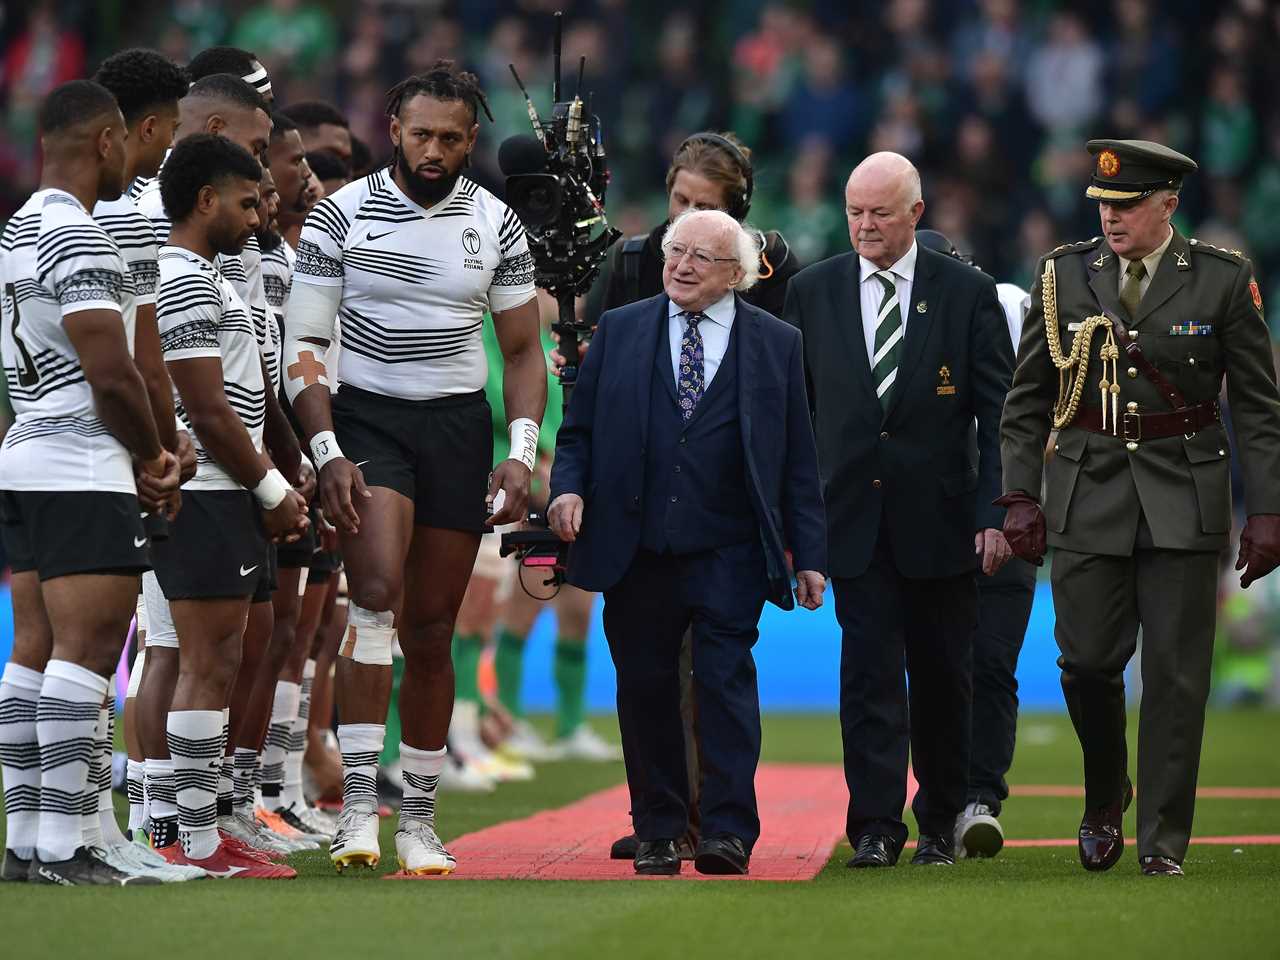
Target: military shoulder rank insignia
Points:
(945, 387)
(1257, 294)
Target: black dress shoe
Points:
(873, 851)
(624, 848)
(934, 851)
(1101, 839)
(721, 857)
(657, 858)
(1161, 867)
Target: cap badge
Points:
(1108, 163)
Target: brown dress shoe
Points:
(1161, 867)
(1101, 841)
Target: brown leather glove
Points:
(1259, 547)
(1024, 526)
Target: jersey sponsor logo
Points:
(471, 241)
(386, 233)
(245, 572)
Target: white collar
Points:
(904, 268)
(720, 312)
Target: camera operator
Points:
(709, 171)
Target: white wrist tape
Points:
(272, 489)
(324, 447)
(524, 441)
(310, 314)
(370, 636)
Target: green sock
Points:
(508, 664)
(391, 740)
(466, 666)
(571, 684)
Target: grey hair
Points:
(747, 247)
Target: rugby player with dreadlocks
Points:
(410, 258)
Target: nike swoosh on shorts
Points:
(245, 573)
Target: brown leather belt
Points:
(1184, 421)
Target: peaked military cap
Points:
(1129, 170)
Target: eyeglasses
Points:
(678, 251)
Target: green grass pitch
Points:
(1034, 902)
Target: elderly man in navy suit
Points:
(684, 471)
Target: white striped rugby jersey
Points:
(244, 271)
(415, 282)
(133, 232)
(277, 280)
(55, 261)
(201, 315)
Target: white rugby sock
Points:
(137, 794)
(244, 768)
(162, 801)
(111, 834)
(226, 789)
(66, 717)
(90, 824)
(360, 744)
(20, 757)
(284, 711)
(421, 774)
(292, 794)
(195, 743)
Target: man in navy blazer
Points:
(905, 348)
(685, 469)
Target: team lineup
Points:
(230, 384)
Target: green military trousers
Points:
(1100, 601)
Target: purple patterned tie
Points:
(689, 389)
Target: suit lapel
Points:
(846, 309)
(918, 316)
(1104, 281)
(1171, 274)
(651, 338)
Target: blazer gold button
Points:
(1133, 373)
(1222, 453)
(1131, 446)
(876, 484)
(1191, 361)
(884, 436)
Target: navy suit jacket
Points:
(913, 471)
(601, 446)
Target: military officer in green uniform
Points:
(1124, 351)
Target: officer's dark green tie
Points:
(888, 340)
(1131, 294)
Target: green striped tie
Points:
(888, 342)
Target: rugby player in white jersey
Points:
(213, 561)
(147, 86)
(225, 105)
(81, 457)
(251, 702)
(410, 258)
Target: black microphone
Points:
(522, 154)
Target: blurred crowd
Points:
(992, 99)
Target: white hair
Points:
(747, 248)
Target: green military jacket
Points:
(1200, 320)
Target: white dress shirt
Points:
(871, 292)
(715, 336)
(1152, 261)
